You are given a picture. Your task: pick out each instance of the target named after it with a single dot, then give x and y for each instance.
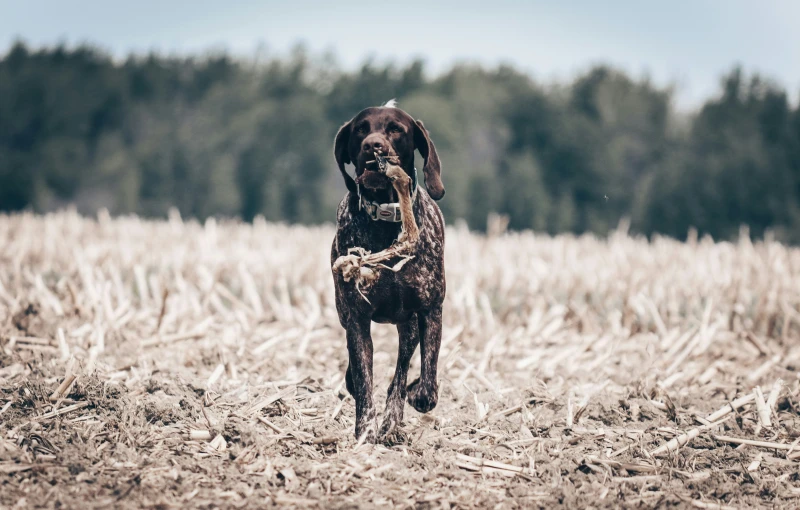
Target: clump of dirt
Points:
(159, 382)
(31, 322)
(5, 359)
(161, 412)
(242, 432)
(108, 397)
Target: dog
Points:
(410, 298)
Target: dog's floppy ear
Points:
(340, 152)
(432, 168)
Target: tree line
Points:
(216, 135)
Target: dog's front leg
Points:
(359, 348)
(408, 336)
(423, 393)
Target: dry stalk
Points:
(711, 506)
(163, 311)
(758, 343)
(271, 425)
(774, 394)
(200, 435)
(736, 404)
(761, 444)
(674, 444)
(268, 401)
(487, 466)
(64, 410)
(172, 338)
(63, 389)
(627, 466)
(761, 407)
(753, 466)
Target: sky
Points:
(688, 44)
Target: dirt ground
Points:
(181, 365)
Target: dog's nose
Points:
(373, 145)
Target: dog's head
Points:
(394, 133)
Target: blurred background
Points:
(566, 117)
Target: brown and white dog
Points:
(410, 298)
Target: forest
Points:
(232, 137)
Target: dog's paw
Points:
(387, 427)
(366, 432)
(423, 398)
(392, 416)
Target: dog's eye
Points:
(394, 128)
(363, 128)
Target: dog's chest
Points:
(393, 296)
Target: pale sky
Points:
(688, 43)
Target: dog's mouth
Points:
(373, 167)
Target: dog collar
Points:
(385, 212)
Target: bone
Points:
(402, 184)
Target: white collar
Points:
(385, 212)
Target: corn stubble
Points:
(174, 363)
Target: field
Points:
(173, 364)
